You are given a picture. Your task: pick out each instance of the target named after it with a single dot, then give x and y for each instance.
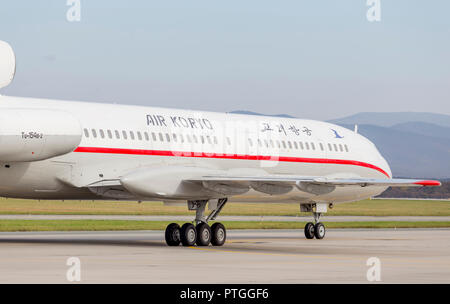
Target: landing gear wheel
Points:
(173, 235)
(188, 234)
(203, 234)
(309, 230)
(219, 234)
(319, 231)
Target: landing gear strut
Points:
(201, 234)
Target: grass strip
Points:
(383, 207)
(117, 225)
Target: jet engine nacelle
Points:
(7, 64)
(35, 134)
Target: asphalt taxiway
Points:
(249, 256)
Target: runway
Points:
(249, 256)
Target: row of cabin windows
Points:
(338, 147)
(209, 139)
(300, 145)
(155, 136)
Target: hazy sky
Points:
(317, 59)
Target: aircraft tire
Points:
(319, 231)
(218, 234)
(309, 230)
(203, 234)
(173, 234)
(188, 235)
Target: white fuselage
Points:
(117, 139)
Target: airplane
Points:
(55, 149)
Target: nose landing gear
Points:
(317, 229)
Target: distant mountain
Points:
(410, 154)
(414, 144)
(390, 119)
(424, 128)
(254, 113)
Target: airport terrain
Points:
(31, 215)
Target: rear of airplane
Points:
(32, 134)
(7, 64)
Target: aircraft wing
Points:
(295, 180)
(191, 183)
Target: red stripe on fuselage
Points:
(229, 156)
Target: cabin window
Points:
(301, 145)
(228, 141)
(194, 138)
(139, 135)
(313, 146)
(250, 142)
(215, 140)
(209, 139)
(271, 143)
(153, 136)
(124, 135)
(174, 136)
(330, 148)
(284, 144)
(259, 142)
(132, 135)
(321, 146)
(146, 136)
(289, 144)
(335, 147)
(94, 133)
(168, 137)
(295, 145)
(109, 134)
(307, 146)
(86, 133)
(346, 148)
(341, 148)
(182, 138)
(117, 134)
(278, 144)
(188, 138)
(161, 137)
(202, 139)
(266, 143)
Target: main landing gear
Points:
(201, 234)
(317, 229)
